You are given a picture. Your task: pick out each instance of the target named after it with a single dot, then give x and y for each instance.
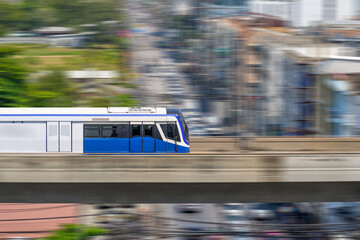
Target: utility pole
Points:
(237, 89)
(318, 106)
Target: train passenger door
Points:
(142, 137)
(148, 137)
(136, 137)
(124, 143)
(52, 138)
(58, 137)
(65, 136)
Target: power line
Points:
(34, 209)
(25, 232)
(186, 220)
(263, 234)
(250, 224)
(277, 230)
(48, 218)
(293, 228)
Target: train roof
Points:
(108, 110)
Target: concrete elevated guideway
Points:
(197, 178)
(276, 144)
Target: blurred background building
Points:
(236, 67)
(257, 64)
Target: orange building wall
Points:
(29, 211)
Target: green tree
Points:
(51, 90)
(30, 14)
(100, 102)
(12, 78)
(37, 14)
(124, 100)
(76, 232)
(120, 100)
(76, 12)
(10, 17)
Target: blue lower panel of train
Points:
(136, 144)
(106, 145)
(181, 149)
(132, 145)
(160, 146)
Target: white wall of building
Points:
(279, 9)
(304, 13)
(347, 9)
(310, 12)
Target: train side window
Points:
(65, 130)
(148, 130)
(172, 132)
(123, 130)
(135, 130)
(109, 131)
(53, 130)
(91, 131)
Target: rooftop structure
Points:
(53, 30)
(92, 74)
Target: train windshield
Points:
(182, 120)
(186, 129)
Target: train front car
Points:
(138, 130)
(181, 142)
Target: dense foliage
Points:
(12, 78)
(51, 89)
(30, 14)
(34, 75)
(75, 232)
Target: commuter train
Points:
(93, 130)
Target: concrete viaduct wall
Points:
(277, 144)
(179, 178)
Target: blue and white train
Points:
(93, 130)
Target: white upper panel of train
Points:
(83, 114)
(87, 111)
